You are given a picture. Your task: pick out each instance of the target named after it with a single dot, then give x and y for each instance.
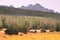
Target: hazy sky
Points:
(50, 4)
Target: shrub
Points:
(51, 28)
(24, 30)
(48, 27)
(58, 27)
(43, 27)
(12, 30)
(35, 25)
(4, 24)
(24, 27)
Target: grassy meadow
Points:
(30, 21)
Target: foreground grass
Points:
(31, 36)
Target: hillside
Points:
(17, 11)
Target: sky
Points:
(50, 4)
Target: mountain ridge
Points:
(37, 7)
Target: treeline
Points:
(25, 26)
(18, 11)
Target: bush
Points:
(12, 30)
(48, 27)
(35, 25)
(23, 28)
(58, 27)
(4, 24)
(51, 28)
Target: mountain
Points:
(37, 7)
